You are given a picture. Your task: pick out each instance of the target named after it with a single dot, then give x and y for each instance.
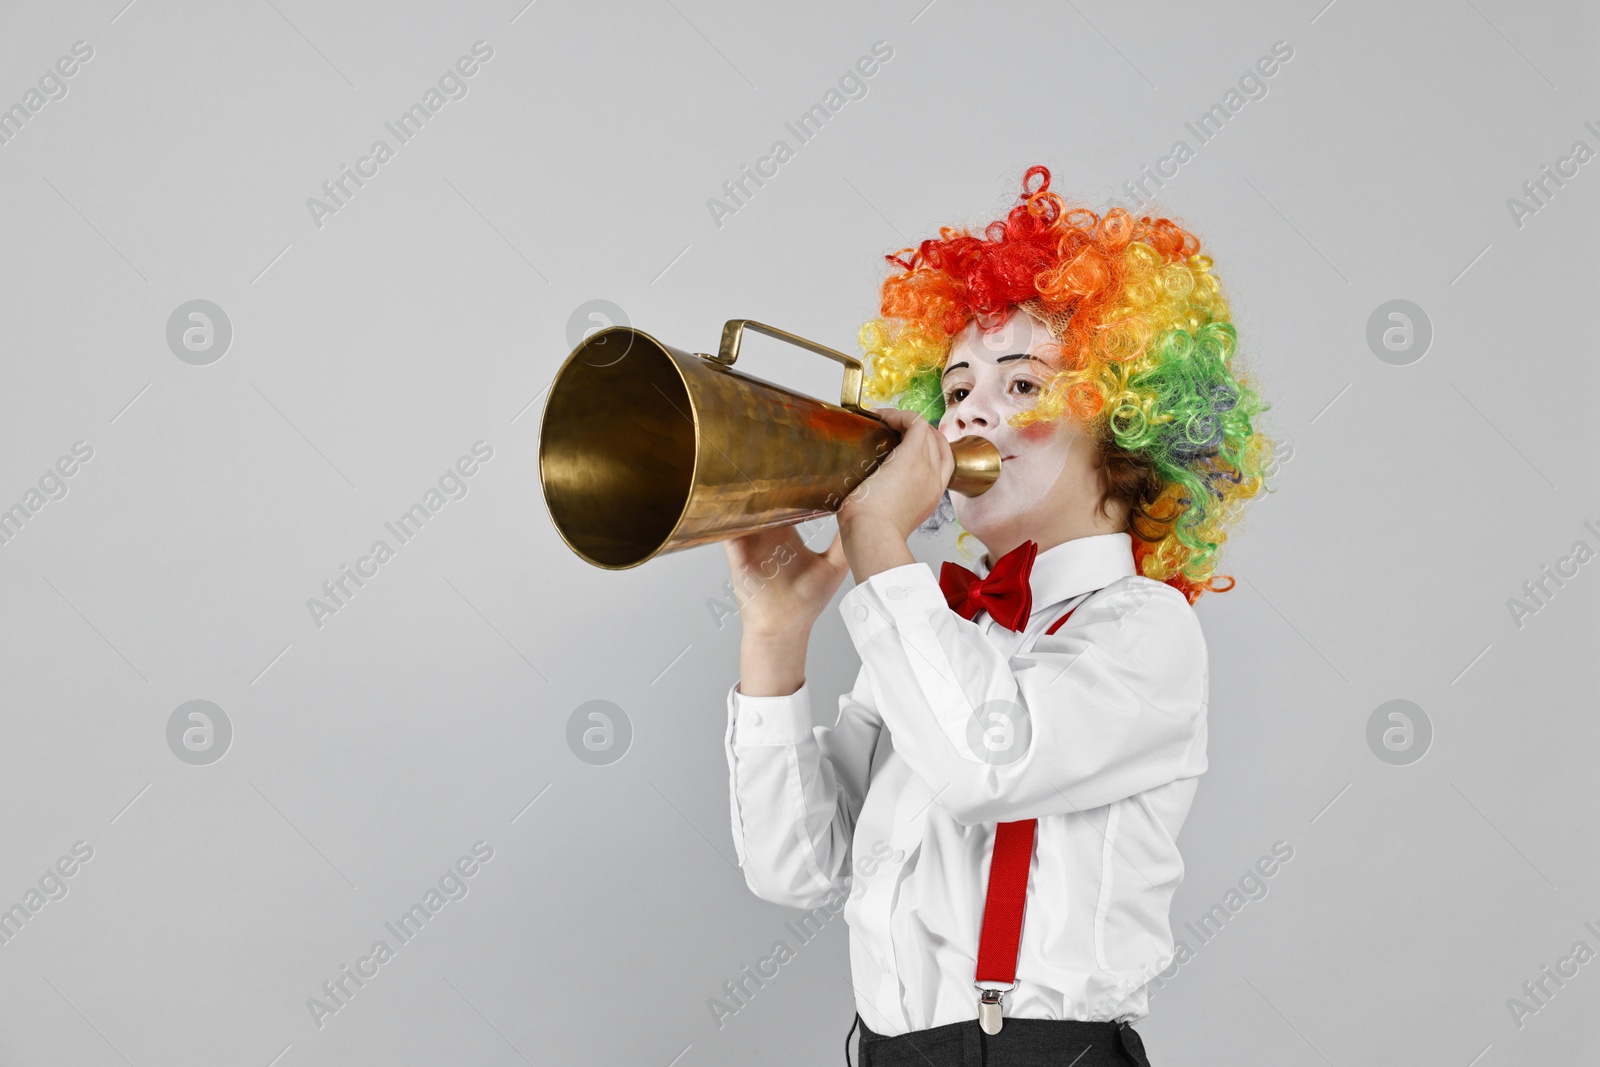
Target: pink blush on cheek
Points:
(1039, 435)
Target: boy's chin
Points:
(990, 521)
(973, 517)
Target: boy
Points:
(1027, 739)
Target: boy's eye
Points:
(950, 397)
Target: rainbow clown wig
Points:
(1146, 361)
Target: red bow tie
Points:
(1004, 592)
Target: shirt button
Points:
(753, 718)
(896, 592)
(861, 611)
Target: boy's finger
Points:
(835, 550)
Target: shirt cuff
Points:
(883, 600)
(779, 720)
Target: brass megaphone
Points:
(645, 449)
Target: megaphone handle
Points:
(733, 333)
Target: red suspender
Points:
(1002, 908)
(1055, 625)
(1001, 935)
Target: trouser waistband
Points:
(1020, 1043)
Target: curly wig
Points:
(1147, 362)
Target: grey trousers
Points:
(1020, 1043)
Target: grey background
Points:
(431, 312)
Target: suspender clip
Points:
(989, 1007)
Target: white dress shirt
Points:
(1098, 731)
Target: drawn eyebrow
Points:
(1002, 359)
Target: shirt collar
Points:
(1080, 565)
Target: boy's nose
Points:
(974, 411)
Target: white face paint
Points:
(1049, 481)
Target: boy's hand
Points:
(907, 486)
(782, 586)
